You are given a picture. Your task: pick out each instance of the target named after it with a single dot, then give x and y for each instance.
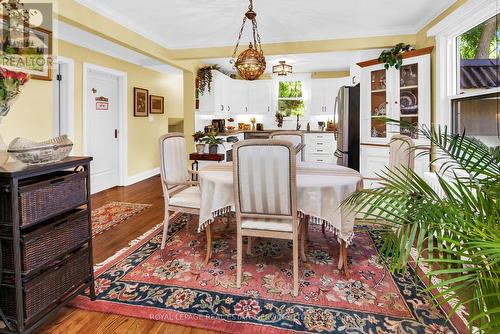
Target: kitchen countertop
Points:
(267, 131)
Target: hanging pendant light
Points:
(251, 63)
(282, 68)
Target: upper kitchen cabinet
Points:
(216, 102)
(259, 97)
(237, 91)
(324, 93)
(402, 95)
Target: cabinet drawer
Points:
(49, 242)
(43, 198)
(320, 136)
(326, 158)
(49, 287)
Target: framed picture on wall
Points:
(141, 102)
(27, 49)
(156, 104)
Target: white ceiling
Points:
(208, 23)
(308, 62)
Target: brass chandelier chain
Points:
(250, 15)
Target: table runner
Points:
(321, 188)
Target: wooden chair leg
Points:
(228, 220)
(344, 259)
(295, 264)
(249, 245)
(208, 231)
(239, 258)
(306, 220)
(165, 232)
(303, 242)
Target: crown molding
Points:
(77, 36)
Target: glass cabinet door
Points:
(408, 98)
(378, 107)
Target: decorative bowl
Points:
(32, 153)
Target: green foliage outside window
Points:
(290, 98)
(481, 42)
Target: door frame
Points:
(122, 116)
(69, 89)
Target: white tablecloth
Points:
(321, 188)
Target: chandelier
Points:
(251, 63)
(282, 68)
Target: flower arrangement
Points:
(10, 86)
(197, 136)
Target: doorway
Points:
(104, 125)
(63, 79)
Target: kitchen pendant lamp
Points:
(251, 63)
(282, 68)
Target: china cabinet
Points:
(401, 94)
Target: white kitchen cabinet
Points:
(237, 92)
(215, 102)
(403, 95)
(323, 95)
(320, 147)
(259, 97)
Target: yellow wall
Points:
(189, 101)
(31, 115)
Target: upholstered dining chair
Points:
(401, 155)
(179, 192)
(295, 137)
(265, 193)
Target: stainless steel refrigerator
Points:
(346, 116)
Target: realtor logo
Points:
(26, 37)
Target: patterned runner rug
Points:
(181, 289)
(114, 213)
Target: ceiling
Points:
(178, 24)
(308, 62)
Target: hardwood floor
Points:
(72, 321)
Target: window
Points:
(475, 105)
(478, 116)
(290, 98)
(478, 57)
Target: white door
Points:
(102, 129)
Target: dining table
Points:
(321, 189)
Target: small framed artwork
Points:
(156, 104)
(141, 102)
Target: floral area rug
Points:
(181, 289)
(114, 213)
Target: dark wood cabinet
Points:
(45, 240)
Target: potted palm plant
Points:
(454, 232)
(198, 136)
(213, 143)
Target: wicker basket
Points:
(32, 153)
(48, 197)
(48, 288)
(45, 244)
